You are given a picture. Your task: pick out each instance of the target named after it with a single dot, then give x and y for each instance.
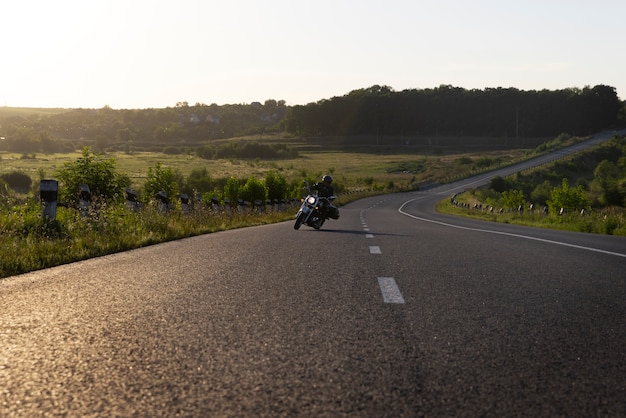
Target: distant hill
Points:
(24, 112)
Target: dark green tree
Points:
(541, 193)
(499, 184)
(606, 181)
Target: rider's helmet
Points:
(327, 179)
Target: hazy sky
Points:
(152, 53)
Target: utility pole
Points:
(517, 126)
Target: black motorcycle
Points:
(315, 210)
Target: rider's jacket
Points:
(323, 190)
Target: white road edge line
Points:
(505, 233)
(389, 288)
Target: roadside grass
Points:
(28, 242)
(609, 221)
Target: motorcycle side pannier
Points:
(333, 212)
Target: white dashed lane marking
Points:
(375, 249)
(389, 288)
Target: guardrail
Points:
(49, 198)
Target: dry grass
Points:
(403, 167)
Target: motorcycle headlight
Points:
(310, 200)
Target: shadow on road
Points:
(352, 231)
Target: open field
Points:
(353, 170)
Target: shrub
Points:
(161, 179)
(499, 184)
(231, 190)
(98, 173)
(568, 198)
(464, 160)
(253, 190)
(172, 150)
(17, 180)
(276, 185)
(513, 198)
(484, 162)
(541, 194)
(199, 180)
(606, 177)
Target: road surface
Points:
(391, 311)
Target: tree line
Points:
(127, 129)
(454, 111)
(444, 111)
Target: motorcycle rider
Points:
(325, 189)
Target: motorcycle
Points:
(315, 210)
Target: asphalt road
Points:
(393, 310)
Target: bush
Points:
(17, 181)
(513, 198)
(499, 184)
(568, 198)
(541, 194)
(99, 174)
(464, 160)
(161, 179)
(172, 150)
(484, 162)
(199, 180)
(231, 190)
(253, 190)
(247, 150)
(276, 185)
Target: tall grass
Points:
(608, 221)
(28, 242)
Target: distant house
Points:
(213, 119)
(194, 118)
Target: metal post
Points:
(49, 194)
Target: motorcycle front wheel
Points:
(299, 220)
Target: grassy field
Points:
(353, 170)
